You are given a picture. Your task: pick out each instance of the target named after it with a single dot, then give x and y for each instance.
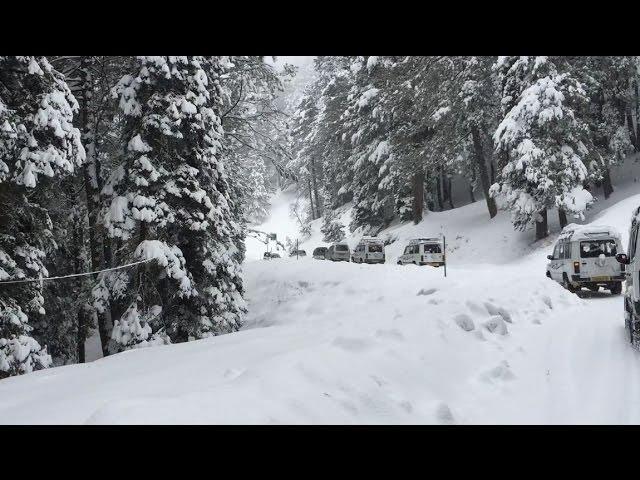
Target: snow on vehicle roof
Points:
(575, 232)
(425, 240)
(367, 239)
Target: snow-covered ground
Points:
(494, 342)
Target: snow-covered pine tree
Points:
(171, 202)
(332, 229)
(91, 79)
(366, 128)
(611, 113)
(544, 139)
(467, 116)
(38, 143)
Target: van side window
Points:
(561, 251)
(556, 254)
(567, 251)
(633, 241)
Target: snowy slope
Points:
(324, 342)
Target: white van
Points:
(630, 263)
(423, 251)
(585, 256)
(338, 252)
(369, 250)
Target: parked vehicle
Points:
(585, 256)
(275, 255)
(270, 255)
(630, 264)
(338, 252)
(423, 251)
(320, 253)
(369, 250)
(298, 253)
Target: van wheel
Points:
(548, 274)
(566, 284)
(399, 262)
(616, 289)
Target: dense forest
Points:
(149, 169)
(529, 134)
(152, 162)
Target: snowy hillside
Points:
(324, 342)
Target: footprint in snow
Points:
(444, 414)
(464, 321)
(406, 406)
(496, 324)
(495, 310)
(502, 372)
(427, 291)
(475, 308)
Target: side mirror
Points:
(622, 258)
(550, 257)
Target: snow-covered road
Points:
(343, 343)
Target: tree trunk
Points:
(91, 192)
(450, 192)
(541, 226)
(473, 198)
(562, 217)
(631, 110)
(313, 210)
(439, 193)
(314, 182)
(80, 337)
(418, 196)
(606, 183)
(81, 333)
(481, 164)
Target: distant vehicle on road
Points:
(270, 255)
(630, 265)
(320, 253)
(423, 251)
(585, 256)
(299, 253)
(338, 252)
(369, 250)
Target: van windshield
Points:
(432, 248)
(375, 248)
(342, 248)
(595, 248)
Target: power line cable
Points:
(46, 279)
